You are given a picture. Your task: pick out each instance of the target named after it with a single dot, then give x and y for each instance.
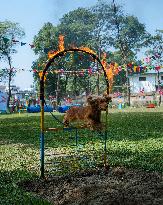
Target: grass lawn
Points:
(135, 140)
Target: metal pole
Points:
(98, 80)
(76, 137)
(42, 128)
(57, 89)
(42, 154)
(105, 140)
(98, 75)
(106, 133)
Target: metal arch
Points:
(61, 53)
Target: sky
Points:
(33, 14)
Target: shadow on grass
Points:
(132, 126)
(26, 130)
(20, 130)
(12, 194)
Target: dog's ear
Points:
(89, 98)
(107, 97)
(92, 101)
(105, 93)
(95, 101)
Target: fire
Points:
(41, 74)
(111, 70)
(87, 50)
(51, 54)
(61, 43)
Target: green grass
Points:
(135, 140)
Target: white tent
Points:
(3, 101)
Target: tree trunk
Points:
(128, 88)
(9, 81)
(57, 89)
(87, 88)
(66, 83)
(159, 87)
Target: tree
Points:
(101, 27)
(103, 13)
(46, 39)
(125, 34)
(155, 57)
(77, 27)
(130, 36)
(9, 31)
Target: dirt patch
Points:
(117, 186)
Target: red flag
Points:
(31, 45)
(15, 41)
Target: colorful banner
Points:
(6, 40)
(111, 69)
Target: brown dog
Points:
(90, 114)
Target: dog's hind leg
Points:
(65, 122)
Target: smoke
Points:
(59, 8)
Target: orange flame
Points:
(61, 43)
(87, 50)
(51, 54)
(41, 74)
(110, 71)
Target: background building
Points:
(146, 82)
